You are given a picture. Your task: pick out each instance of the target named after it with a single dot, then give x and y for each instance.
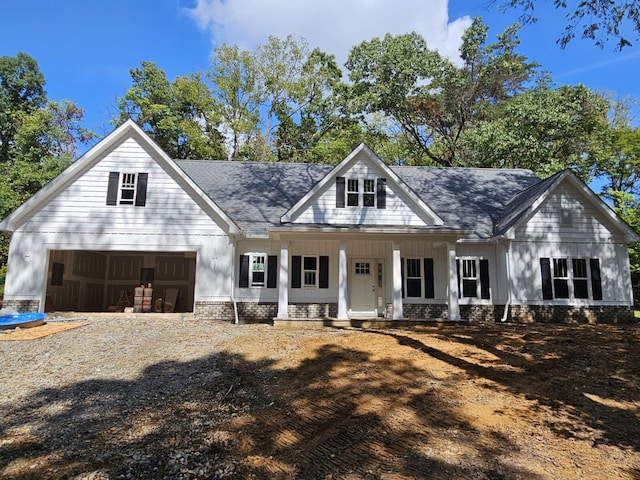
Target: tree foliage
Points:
(597, 20)
(180, 115)
(38, 137)
(542, 129)
(493, 109)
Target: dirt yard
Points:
(122, 399)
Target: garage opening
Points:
(96, 281)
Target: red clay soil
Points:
(472, 402)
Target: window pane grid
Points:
(363, 268)
(257, 270)
(127, 188)
(469, 278)
(310, 268)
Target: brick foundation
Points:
(429, 311)
(265, 312)
(312, 310)
(570, 314)
(214, 311)
(22, 306)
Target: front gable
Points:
(362, 190)
(124, 184)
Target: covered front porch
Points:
(341, 275)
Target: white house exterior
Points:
(300, 241)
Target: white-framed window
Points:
(127, 188)
(580, 278)
(353, 195)
(413, 277)
(473, 278)
(469, 277)
(258, 269)
(571, 278)
(560, 278)
(369, 192)
(309, 271)
(361, 192)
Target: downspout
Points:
(505, 314)
(233, 281)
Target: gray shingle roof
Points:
(256, 195)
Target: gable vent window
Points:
(367, 192)
(127, 188)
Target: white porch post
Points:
(397, 283)
(283, 282)
(342, 282)
(454, 305)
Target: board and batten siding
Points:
(81, 207)
(322, 209)
(526, 275)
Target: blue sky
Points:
(86, 48)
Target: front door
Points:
(362, 288)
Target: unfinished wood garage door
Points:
(95, 281)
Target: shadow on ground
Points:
(340, 414)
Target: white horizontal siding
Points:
(323, 209)
(81, 207)
(586, 222)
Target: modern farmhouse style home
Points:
(262, 241)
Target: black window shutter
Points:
(141, 190)
(428, 278)
(272, 271)
(324, 272)
(458, 275)
(340, 192)
(402, 274)
(296, 271)
(382, 193)
(112, 189)
(244, 271)
(547, 285)
(485, 290)
(596, 279)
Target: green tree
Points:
(433, 100)
(543, 129)
(38, 137)
(317, 114)
(181, 116)
(598, 20)
(238, 93)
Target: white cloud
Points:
(334, 26)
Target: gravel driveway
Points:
(161, 396)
